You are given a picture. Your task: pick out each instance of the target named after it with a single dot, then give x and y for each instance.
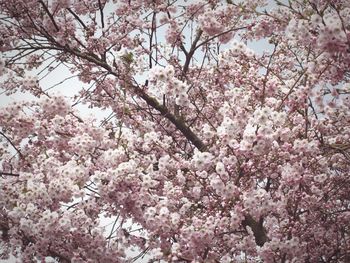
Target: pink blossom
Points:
(201, 146)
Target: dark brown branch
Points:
(151, 38)
(50, 15)
(101, 13)
(257, 228)
(77, 18)
(80, 43)
(4, 229)
(92, 58)
(291, 89)
(218, 35)
(14, 146)
(8, 174)
(182, 47)
(190, 54)
(268, 68)
(180, 124)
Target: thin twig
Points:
(50, 15)
(77, 18)
(8, 174)
(101, 13)
(14, 146)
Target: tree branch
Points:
(77, 18)
(8, 174)
(257, 228)
(101, 13)
(190, 54)
(180, 124)
(50, 15)
(14, 146)
(218, 35)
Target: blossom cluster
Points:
(212, 152)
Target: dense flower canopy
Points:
(215, 152)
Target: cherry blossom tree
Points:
(217, 153)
